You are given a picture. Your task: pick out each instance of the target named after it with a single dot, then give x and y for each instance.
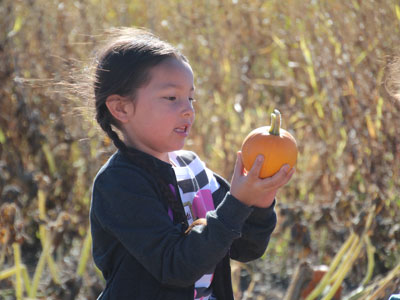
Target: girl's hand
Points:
(250, 189)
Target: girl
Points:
(150, 191)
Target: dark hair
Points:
(123, 66)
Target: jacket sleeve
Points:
(256, 231)
(127, 207)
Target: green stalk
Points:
(99, 273)
(357, 294)
(85, 254)
(8, 273)
(342, 272)
(275, 123)
(45, 236)
(18, 278)
(25, 276)
(53, 268)
(353, 238)
(371, 260)
(347, 257)
(375, 287)
(3, 249)
(384, 282)
(39, 270)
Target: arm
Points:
(131, 211)
(256, 230)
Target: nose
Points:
(188, 109)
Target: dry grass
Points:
(322, 63)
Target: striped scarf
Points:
(196, 184)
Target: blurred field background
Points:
(323, 64)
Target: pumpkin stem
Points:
(275, 123)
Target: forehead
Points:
(172, 73)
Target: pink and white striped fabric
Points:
(196, 184)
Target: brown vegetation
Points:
(322, 63)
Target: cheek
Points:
(170, 112)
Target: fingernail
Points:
(260, 158)
(286, 168)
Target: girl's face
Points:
(163, 110)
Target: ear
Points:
(120, 107)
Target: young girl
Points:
(150, 191)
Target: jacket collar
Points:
(154, 161)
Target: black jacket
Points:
(143, 255)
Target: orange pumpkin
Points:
(276, 145)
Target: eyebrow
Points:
(172, 85)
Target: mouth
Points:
(183, 130)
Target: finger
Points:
(238, 170)
(257, 165)
(278, 179)
(240, 160)
(288, 175)
(282, 173)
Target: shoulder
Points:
(118, 173)
(118, 189)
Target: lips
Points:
(183, 130)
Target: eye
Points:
(171, 98)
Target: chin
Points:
(178, 147)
